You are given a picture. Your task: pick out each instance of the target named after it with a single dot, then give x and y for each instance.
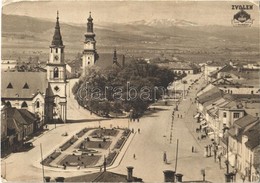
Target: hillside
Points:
(150, 39)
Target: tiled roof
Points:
(36, 81)
(209, 95)
(179, 65)
(253, 135)
(245, 121)
(101, 177)
(16, 118)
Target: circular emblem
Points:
(56, 57)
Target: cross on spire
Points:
(57, 14)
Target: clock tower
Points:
(56, 75)
(90, 55)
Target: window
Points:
(37, 104)
(24, 104)
(56, 72)
(10, 85)
(236, 115)
(224, 114)
(25, 86)
(51, 50)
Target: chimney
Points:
(59, 179)
(169, 176)
(130, 173)
(123, 61)
(47, 179)
(179, 177)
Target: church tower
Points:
(90, 55)
(56, 75)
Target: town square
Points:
(92, 98)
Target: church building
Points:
(42, 93)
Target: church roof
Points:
(24, 84)
(57, 39)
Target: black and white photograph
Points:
(130, 91)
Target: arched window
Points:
(56, 72)
(37, 104)
(24, 104)
(8, 104)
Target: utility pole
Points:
(42, 164)
(176, 159)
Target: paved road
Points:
(150, 145)
(147, 146)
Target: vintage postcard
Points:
(130, 91)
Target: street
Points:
(148, 146)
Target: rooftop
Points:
(209, 95)
(23, 84)
(253, 135)
(245, 121)
(101, 177)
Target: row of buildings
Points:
(228, 109)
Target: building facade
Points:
(90, 55)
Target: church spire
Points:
(90, 23)
(57, 39)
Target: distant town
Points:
(121, 117)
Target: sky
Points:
(201, 12)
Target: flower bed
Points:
(119, 143)
(67, 144)
(111, 157)
(80, 160)
(105, 132)
(50, 158)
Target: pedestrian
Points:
(219, 160)
(207, 151)
(138, 130)
(181, 115)
(178, 115)
(134, 156)
(78, 167)
(192, 149)
(137, 119)
(215, 155)
(210, 150)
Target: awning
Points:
(197, 115)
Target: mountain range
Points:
(22, 32)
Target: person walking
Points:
(219, 160)
(134, 156)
